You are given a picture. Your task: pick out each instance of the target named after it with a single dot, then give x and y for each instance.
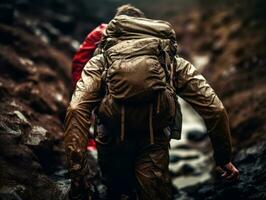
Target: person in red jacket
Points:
(86, 51)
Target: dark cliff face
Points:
(34, 94)
(35, 88)
(36, 46)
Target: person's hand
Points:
(229, 172)
(81, 188)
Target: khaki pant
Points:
(134, 168)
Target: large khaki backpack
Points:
(138, 74)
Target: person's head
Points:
(129, 10)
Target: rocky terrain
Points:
(35, 89)
(227, 44)
(34, 93)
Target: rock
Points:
(12, 193)
(68, 45)
(51, 32)
(23, 5)
(35, 89)
(205, 44)
(218, 47)
(234, 30)
(6, 13)
(64, 23)
(14, 66)
(36, 136)
(33, 98)
(21, 116)
(22, 178)
(187, 169)
(3, 91)
(196, 136)
(252, 165)
(175, 158)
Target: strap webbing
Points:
(158, 103)
(122, 137)
(151, 125)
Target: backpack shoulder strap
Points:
(168, 66)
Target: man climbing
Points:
(86, 52)
(82, 56)
(131, 84)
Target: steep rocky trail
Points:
(35, 88)
(228, 47)
(231, 45)
(34, 94)
(226, 44)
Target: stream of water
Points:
(194, 158)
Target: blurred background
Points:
(224, 39)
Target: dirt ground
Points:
(226, 43)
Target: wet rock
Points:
(12, 193)
(235, 30)
(6, 13)
(205, 44)
(64, 23)
(183, 146)
(196, 136)
(51, 32)
(175, 158)
(218, 47)
(187, 169)
(68, 45)
(21, 116)
(23, 5)
(13, 65)
(252, 165)
(36, 136)
(3, 91)
(21, 178)
(33, 99)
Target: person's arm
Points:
(194, 89)
(77, 122)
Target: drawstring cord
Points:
(158, 103)
(122, 123)
(150, 124)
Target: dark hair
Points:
(129, 10)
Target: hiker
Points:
(132, 84)
(81, 57)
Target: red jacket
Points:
(82, 56)
(85, 52)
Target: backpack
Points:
(138, 75)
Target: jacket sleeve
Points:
(194, 89)
(86, 96)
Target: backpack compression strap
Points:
(122, 136)
(150, 124)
